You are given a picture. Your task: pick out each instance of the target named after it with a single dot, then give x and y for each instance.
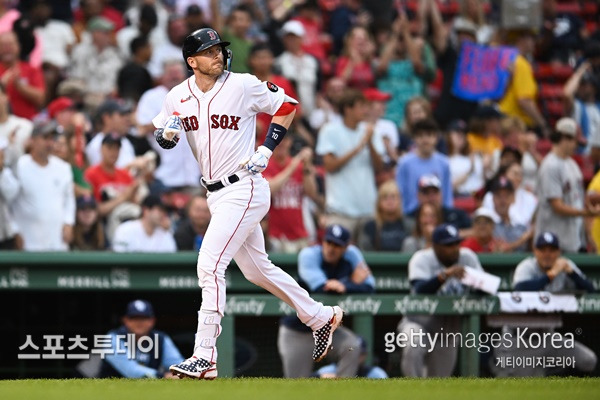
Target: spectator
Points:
(97, 62)
(405, 67)
(23, 83)
(315, 42)
(301, 69)
(178, 167)
(133, 79)
(44, 210)
(429, 191)
(195, 18)
(580, 98)
(483, 240)
(351, 157)
(547, 271)
(347, 14)
(149, 233)
(384, 128)
(562, 36)
(9, 189)
(525, 205)
(191, 230)
(520, 97)
(354, 65)
(593, 197)
(435, 271)
(423, 160)
(449, 106)
(386, 232)
(466, 166)
(418, 108)
(561, 193)
(471, 11)
(327, 104)
(146, 26)
(290, 179)
(514, 131)
(427, 217)
(114, 188)
(236, 32)
(139, 321)
(57, 41)
(88, 233)
(170, 50)
(90, 9)
(364, 370)
(112, 119)
(333, 267)
(14, 130)
(484, 135)
(510, 236)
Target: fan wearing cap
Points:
(548, 271)
(97, 61)
(430, 192)
(44, 210)
(88, 233)
(436, 271)
(139, 320)
(482, 239)
(580, 98)
(9, 189)
(335, 267)
(111, 117)
(298, 67)
(383, 127)
(562, 204)
(484, 135)
(148, 233)
(405, 67)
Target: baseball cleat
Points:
(195, 367)
(324, 336)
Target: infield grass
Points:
(303, 389)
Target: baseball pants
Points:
(234, 232)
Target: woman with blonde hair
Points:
(386, 231)
(354, 65)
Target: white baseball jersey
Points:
(220, 125)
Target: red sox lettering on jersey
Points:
(220, 125)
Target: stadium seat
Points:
(551, 91)
(589, 9)
(569, 8)
(467, 204)
(558, 73)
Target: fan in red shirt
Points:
(482, 241)
(290, 179)
(24, 83)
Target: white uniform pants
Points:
(234, 232)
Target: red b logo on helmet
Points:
(212, 35)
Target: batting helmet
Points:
(200, 40)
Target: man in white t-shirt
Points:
(44, 210)
(146, 234)
(15, 130)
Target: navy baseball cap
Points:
(446, 234)
(139, 308)
(85, 201)
(337, 234)
(111, 139)
(547, 239)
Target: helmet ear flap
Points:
(228, 58)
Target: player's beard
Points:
(213, 70)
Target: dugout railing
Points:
(31, 282)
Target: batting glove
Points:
(172, 127)
(259, 160)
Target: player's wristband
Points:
(275, 135)
(162, 142)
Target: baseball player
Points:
(217, 110)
